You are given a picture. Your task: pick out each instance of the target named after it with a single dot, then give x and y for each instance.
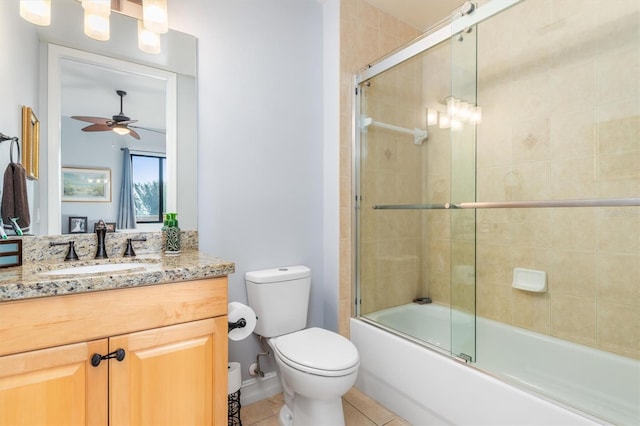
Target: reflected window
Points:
(149, 187)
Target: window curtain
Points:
(127, 210)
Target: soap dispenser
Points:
(171, 233)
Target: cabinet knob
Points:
(118, 354)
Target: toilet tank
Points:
(280, 298)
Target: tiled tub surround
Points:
(558, 122)
(23, 282)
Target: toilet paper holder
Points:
(241, 323)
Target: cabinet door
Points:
(55, 386)
(174, 375)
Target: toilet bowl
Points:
(316, 366)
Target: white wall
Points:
(19, 72)
(260, 171)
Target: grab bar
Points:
(419, 135)
(594, 202)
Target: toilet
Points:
(316, 366)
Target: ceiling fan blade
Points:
(134, 134)
(149, 129)
(97, 128)
(95, 120)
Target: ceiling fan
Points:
(118, 123)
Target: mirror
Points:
(82, 76)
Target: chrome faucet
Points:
(101, 232)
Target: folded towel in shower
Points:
(15, 202)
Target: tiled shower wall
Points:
(391, 173)
(559, 84)
(366, 34)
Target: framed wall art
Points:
(30, 143)
(86, 185)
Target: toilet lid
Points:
(317, 349)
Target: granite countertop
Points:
(26, 281)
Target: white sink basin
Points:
(96, 269)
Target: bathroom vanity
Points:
(148, 347)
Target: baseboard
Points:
(259, 388)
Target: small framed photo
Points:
(111, 226)
(77, 224)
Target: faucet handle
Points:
(71, 254)
(128, 252)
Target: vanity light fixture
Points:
(36, 11)
(96, 19)
(154, 15)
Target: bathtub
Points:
(518, 377)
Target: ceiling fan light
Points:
(148, 41)
(121, 129)
(96, 19)
(36, 11)
(154, 14)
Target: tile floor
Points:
(359, 410)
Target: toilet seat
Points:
(317, 351)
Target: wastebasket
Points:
(233, 393)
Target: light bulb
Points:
(464, 111)
(148, 41)
(452, 106)
(121, 129)
(96, 19)
(154, 14)
(36, 11)
(476, 115)
(444, 121)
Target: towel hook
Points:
(14, 140)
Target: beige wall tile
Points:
(573, 133)
(494, 302)
(619, 229)
(618, 71)
(574, 178)
(616, 328)
(530, 227)
(574, 318)
(573, 84)
(574, 228)
(573, 273)
(531, 311)
(619, 278)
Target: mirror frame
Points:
(57, 54)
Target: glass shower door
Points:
(414, 120)
(464, 115)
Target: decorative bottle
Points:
(171, 232)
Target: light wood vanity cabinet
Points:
(174, 371)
